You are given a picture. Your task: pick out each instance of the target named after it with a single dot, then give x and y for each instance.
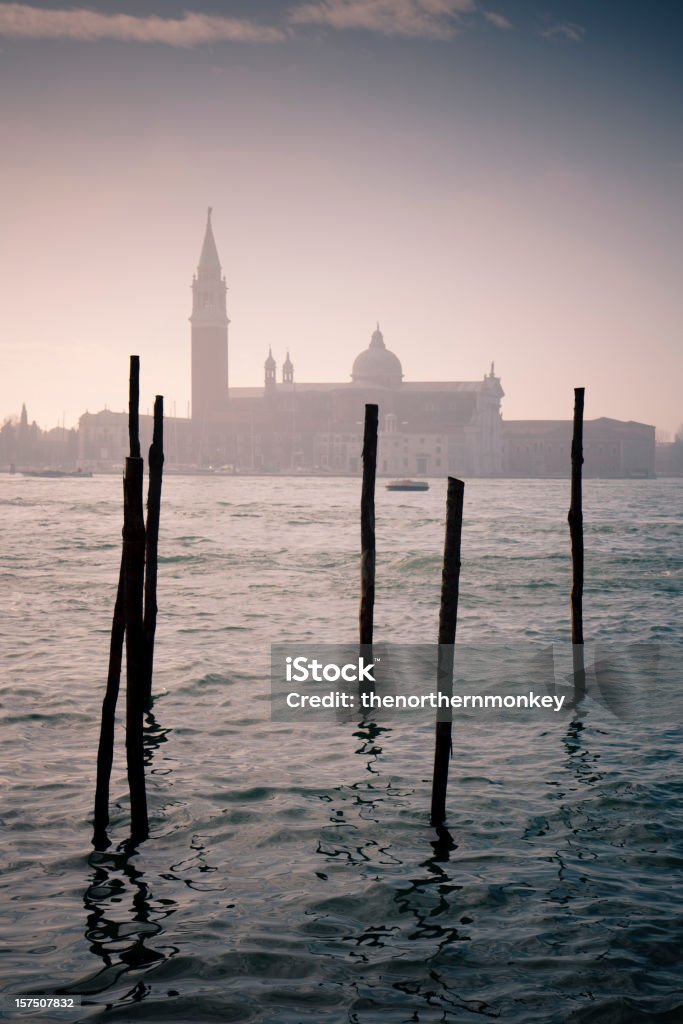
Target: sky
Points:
(490, 181)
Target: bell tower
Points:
(209, 322)
(288, 371)
(269, 367)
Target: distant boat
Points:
(52, 473)
(407, 485)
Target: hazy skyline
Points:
(490, 181)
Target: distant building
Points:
(611, 448)
(103, 439)
(426, 428)
(24, 444)
(669, 457)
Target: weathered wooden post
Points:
(155, 468)
(105, 753)
(133, 589)
(133, 407)
(448, 620)
(367, 527)
(575, 519)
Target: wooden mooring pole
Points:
(575, 519)
(127, 624)
(105, 752)
(367, 527)
(133, 408)
(133, 590)
(155, 467)
(448, 620)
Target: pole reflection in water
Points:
(122, 941)
(437, 882)
(436, 895)
(123, 918)
(154, 736)
(368, 732)
(367, 797)
(579, 811)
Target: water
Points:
(291, 874)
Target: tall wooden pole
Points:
(367, 526)
(133, 588)
(575, 519)
(105, 752)
(156, 465)
(133, 407)
(448, 620)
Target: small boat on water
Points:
(407, 485)
(56, 473)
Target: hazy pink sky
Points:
(498, 183)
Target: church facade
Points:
(427, 428)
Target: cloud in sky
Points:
(427, 19)
(420, 19)
(567, 30)
(20, 21)
(498, 20)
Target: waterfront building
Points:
(284, 425)
(426, 427)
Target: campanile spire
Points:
(209, 263)
(209, 322)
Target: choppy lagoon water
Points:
(291, 875)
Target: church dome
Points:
(376, 364)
